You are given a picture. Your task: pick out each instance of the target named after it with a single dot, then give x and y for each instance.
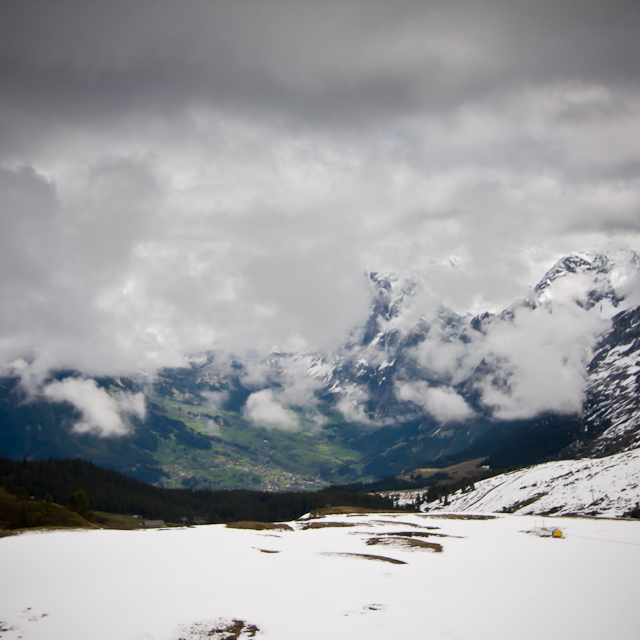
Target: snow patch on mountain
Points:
(590, 279)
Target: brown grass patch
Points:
(415, 534)
(234, 630)
(368, 556)
(404, 524)
(259, 526)
(324, 525)
(406, 542)
(459, 516)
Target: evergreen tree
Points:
(79, 503)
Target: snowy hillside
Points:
(604, 486)
(348, 577)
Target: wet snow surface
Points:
(325, 578)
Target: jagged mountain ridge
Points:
(382, 359)
(416, 382)
(378, 356)
(612, 409)
(605, 276)
(604, 287)
(388, 369)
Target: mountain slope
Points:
(613, 390)
(607, 486)
(183, 441)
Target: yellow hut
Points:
(557, 533)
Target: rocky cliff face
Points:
(612, 409)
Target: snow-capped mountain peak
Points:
(589, 279)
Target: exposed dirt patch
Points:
(5, 627)
(416, 534)
(221, 630)
(259, 526)
(412, 543)
(404, 524)
(325, 525)
(460, 516)
(367, 556)
(524, 503)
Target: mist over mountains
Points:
(556, 371)
(416, 357)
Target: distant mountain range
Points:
(554, 375)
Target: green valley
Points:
(233, 453)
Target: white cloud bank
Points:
(530, 363)
(176, 179)
(540, 361)
(263, 408)
(443, 403)
(103, 414)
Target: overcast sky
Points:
(177, 177)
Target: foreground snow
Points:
(495, 578)
(603, 486)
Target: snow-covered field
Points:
(604, 486)
(494, 578)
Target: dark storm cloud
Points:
(176, 177)
(309, 60)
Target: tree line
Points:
(112, 492)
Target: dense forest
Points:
(112, 492)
